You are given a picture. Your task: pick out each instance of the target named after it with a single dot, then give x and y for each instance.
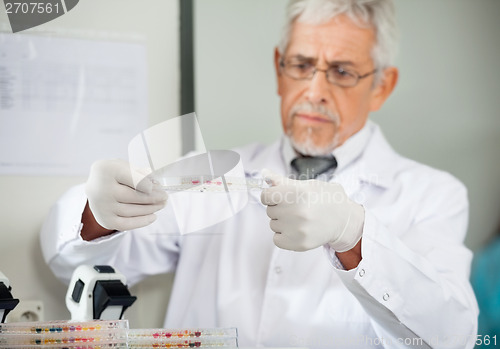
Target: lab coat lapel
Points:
(371, 168)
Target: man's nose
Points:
(319, 88)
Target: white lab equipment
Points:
(7, 302)
(97, 292)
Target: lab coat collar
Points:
(264, 157)
(353, 147)
(379, 163)
(345, 154)
(371, 159)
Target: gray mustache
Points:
(316, 108)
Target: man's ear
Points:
(277, 57)
(385, 87)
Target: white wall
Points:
(235, 97)
(444, 112)
(25, 200)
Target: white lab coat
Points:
(411, 285)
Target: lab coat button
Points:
(361, 273)
(277, 270)
(385, 297)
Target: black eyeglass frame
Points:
(334, 82)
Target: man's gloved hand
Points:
(114, 202)
(310, 213)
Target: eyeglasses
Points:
(335, 74)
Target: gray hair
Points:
(378, 14)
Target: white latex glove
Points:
(114, 202)
(308, 214)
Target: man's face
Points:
(317, 115)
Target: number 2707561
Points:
(32, 7)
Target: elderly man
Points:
(395, 271)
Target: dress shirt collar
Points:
(345, 154)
